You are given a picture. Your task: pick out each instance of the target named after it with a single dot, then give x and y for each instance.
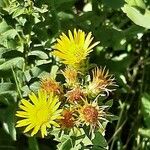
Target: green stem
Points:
(117, 131)
(17, 83)
(118, 125)
(33, 144)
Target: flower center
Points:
(67, 120)
(90, 114)
(42, 115)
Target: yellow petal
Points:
(29, 127)
(54, 123)
(43, 130)
(35, 130)
(26, 103)
(23, 122)
(33, 98)
(22, 114)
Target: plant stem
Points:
(118, 124)
(17, 84)
(33, 144)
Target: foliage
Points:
(28, 30)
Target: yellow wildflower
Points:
(39, 113)
(72, 50)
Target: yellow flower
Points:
(101, 81)
(72, 50)
(39, 113)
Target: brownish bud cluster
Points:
(80, 106)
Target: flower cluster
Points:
(72, 104)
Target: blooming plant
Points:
(76, 108)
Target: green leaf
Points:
(2, 3)
(7, 91)
(109, 103)
(114, 4)
(6, 86)
(10, 34)
(98, 148)
(35, 86)
(39, 54)
(133, 31)
(8, 97)
(19, 11)
(146, 109)
(54, 70)
(66, 145)
(4, 27)
(138, 3)
(6, 142)
(9, 121)
(99, 140)
(144, 132)
(33, 144)
(137, 17)
(15, 62)
(113, 40)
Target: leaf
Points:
(138, 3)
(7, 97)
(114, 4)
(86, 141)
(7, 91)
(15, 62)
(98, 148)
(10, 34)
(66, 145)
(99, 140)
(137, 17)
(9, 122)
(113, 40)
(33, 143)
(4, 27)
(144, 132)
(146, 109)
(109, 103)
(39, 54)
(26, 91)
(19, 11)
(133, 30)
(54, 70)
(6, 142)
(35, 86)
(6, 86)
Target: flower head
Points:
(50, 85)
(70, 75)
(75, 95)
(91, 114)
(68, 119)
(101, 81)
(74, 48)
(39, 113)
